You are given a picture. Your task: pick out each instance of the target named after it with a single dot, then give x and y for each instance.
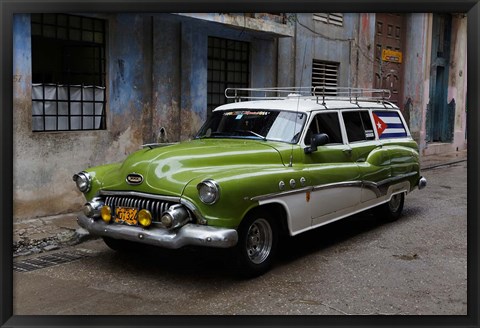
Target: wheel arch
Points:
(277, 211)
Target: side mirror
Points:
(317, 140)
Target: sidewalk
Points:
(49, 233)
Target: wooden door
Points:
(389, 55)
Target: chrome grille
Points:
(155, 206)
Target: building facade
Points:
(90, 89)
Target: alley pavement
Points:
(43, 234)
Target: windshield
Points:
(262, 124)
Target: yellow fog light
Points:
(106, 213)
(145, 218)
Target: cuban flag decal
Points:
(389, 125)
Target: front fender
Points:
(96, 173)
(239, 192)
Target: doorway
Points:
(440, 114)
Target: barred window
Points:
(68, 73)
(228, 67)
(333, 19)
(325, 74)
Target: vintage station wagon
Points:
(277, 161)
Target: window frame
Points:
(326, 74)
(72, 106)
(220, 65)
(340, 128)
(365, 112)
(334, 19)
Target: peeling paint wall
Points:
(364, 51)
(417, 72)
(417, 80)
(317, 40)
(457, 84)
(43, 162)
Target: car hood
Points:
(166, 170)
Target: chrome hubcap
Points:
(394, 203)
(259, 241)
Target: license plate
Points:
(126, 215)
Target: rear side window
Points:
(358, 125)
(325, 123)
(389, 124)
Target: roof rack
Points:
(354, 95)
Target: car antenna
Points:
(290, 164)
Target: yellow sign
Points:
(392, 56)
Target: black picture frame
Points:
(10, 7)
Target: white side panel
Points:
(368, 195)
(297, 208)
(326, 201)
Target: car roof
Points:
(306, 104)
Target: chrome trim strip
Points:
(338, 185)
(156, 145)
(374, 187)
(396, 178)
(189, 234)
(281, 194)
(139, 194)
(192, 208)
(380, 188)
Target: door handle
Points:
(347, 151)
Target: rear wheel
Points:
(392, 210)
(257, 244)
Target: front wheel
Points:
(392, 210)
(257, 244)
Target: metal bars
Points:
(325, 74)
(317, 93)
(228, 66)
(68, 72)
(154, 206)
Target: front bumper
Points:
(189, 234)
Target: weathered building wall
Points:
(363, 52)
(457, 84)
(417, 73)
(43, 162)
(417, 83)
(129, 86)
(317, 40)
(167, 81)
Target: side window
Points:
(358, 125)
(389, 124)
(325, 123)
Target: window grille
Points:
(228, 67)
(325, 74)
(68, 73)
(333, 19)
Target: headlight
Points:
(106, 213)
(208, 191)
(83, 181)
(176, 216)
(145, 218)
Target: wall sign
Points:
(391, 56)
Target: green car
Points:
(274, 162)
